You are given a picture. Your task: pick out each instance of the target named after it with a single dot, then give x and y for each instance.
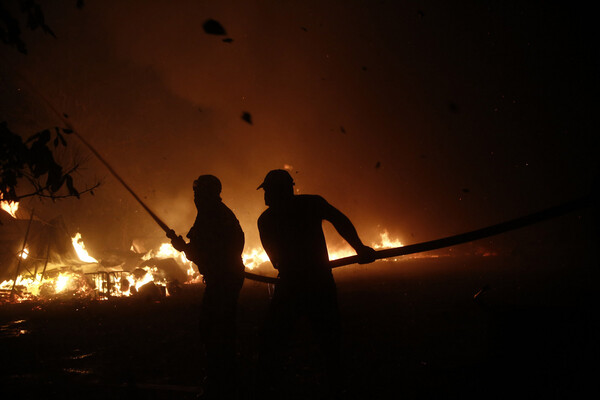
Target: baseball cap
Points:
(276, 177)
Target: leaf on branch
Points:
(33, 160)
(33, 137)
(35, 17)
(40, 160)
(55, 178)
(42, 137)
(59, 136)
(10, 34)
(72, 190)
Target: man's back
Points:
(218, 241)
(292, 235)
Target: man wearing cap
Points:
(216, 245)
(292, 235)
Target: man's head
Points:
(278, 186)
(207, 188)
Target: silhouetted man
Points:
(216, 245)
(292, 235)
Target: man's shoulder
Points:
(225, 215)
(300, 204)
(224, 209)
(310, 199)
(265, 215)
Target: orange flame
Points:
(9, 206)
(79, 247)
(386, 242)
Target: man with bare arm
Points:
(292, 235)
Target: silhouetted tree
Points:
(33, 160)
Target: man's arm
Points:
(268, 243)
(191, 254)
(346, 229)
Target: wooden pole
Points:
(46, 263)
(12, 291)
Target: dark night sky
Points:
(497, 97)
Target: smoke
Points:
(388, 113)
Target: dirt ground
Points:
(412, 330)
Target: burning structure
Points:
(42, 260)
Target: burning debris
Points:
(50, 264)
(11, 207)
(153, 274)
(156, 271)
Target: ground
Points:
(412, 330)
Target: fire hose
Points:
(530, 219)
(482, 233)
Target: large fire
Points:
(148, 277)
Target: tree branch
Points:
(53, 196)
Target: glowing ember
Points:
(79, 247)
(10, 207)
